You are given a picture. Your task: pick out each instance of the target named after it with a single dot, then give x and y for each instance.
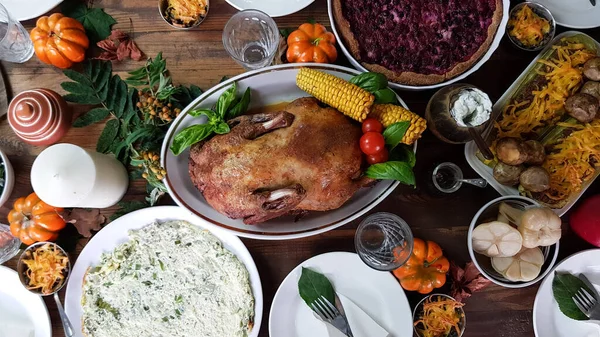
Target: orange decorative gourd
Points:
(59, 40)
(33, 220)
(311, 43)
(426, 268)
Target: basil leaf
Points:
(392, 170)
(394, 133)
(190, 136)
(385, 96)
(370, 81)
(222, 128)
(225, 100)
(313, 285)
(241, 107)
(404, 153)
(564, 287)
(203, 112)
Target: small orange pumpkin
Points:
(59, 40)
(311, 43)
(426, 268)
(33, 220)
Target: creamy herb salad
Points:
(169, 279)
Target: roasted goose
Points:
(306, 158)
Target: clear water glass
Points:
(9, 245)
(384, 241)
(251, 38)
(15, 45)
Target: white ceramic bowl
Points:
(9, 179)
(489, 212)
(495, 43)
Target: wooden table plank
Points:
(197, 57)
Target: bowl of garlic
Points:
(513, 241)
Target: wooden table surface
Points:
(197, 57)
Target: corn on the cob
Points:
(389, 114)
(344, 96)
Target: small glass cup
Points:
(15, 44)
(9, 245)
(384, 241)
(251, 38)
(448, 178)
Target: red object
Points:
(377, 158)
(372, 143)
(39, 117)
(372, 125)
(585, 221)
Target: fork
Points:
(330, 314)
(587, 304)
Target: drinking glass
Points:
(384, 241)
(251, 38)
(9, 245)
(15, 45)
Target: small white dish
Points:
(377, 293)
(9, 179)
(20, 309)
(580, 14)
(274, 8)
(116, 233)
(29, 9)
(548, 320)
(489, 212)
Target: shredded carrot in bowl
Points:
(440, 317)
(527, 27)
(46, 268)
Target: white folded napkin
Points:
(361, 323)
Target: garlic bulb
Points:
(496, 239)
(539, 226)
(525, 266)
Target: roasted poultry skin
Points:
(305, 158)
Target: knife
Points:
(340, 307)
(593, 2)
(589, 284)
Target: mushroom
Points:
(591, 69)
(511, 151)
(535, 179)
(539, 226)
(582, 107)
(507, 174)
(536, 154)
(591, 88)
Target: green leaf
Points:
(225, 100)
(404, 153)
(385, 96)
(107, 136)
(312, 285)
(79, 89)
(82, 99)
(112, 98)
(370, 81)
(392, 170)
(223, 79)
(128, 207)
(190, 136)
(564, 287)
(203, 112)
(77, 77)
(96, 22)
(120, 101)
(222, 128)
(394, 133)
(240, 107)
(195, 92)
(285, 32)
(93, 116)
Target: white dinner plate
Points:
(269, 85)
(273, 8)
(29, 9)
(548, 320)
(377, 293)
(495, 43)
(574, 13)
(19, 308)
(115, 234)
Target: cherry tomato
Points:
(380, 157)
(372, 143)
(371, 125)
